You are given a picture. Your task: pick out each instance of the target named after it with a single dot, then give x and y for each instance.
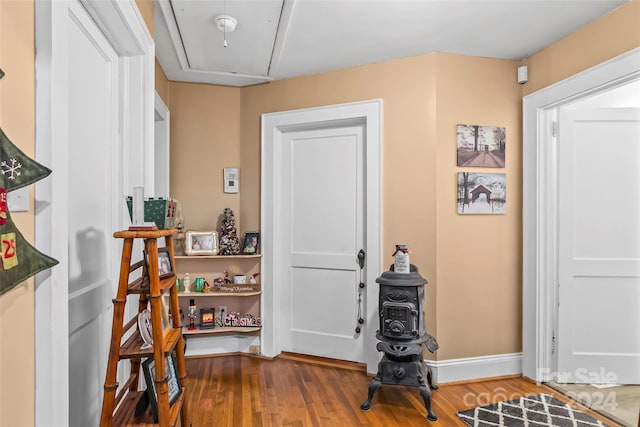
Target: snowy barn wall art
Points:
(481, 146)
(482, 193)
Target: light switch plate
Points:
(18, 200)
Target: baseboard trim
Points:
(473, 368)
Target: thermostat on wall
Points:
(231, 180)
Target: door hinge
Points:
(553, 342)
(554, 129)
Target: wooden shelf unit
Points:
(124, 408)
(220, 257)
(222, 330)
(219, 294)
(210, 266)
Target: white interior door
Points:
(93, 198)
(94, 127)
(599, 246)
(324, 209)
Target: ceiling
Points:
(279, 39)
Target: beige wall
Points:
(478, 257)
(613, 34)
(473, 263)
(407, 88)
(17, 359)
(205, 130)
(420, 107)
(424, 98)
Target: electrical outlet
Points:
(254, 349)
(222, 310)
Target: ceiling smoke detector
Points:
(226, 23)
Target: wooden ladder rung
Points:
(132, 347)
(141, 285)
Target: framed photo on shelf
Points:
(251, 244)
(144, 328)
(201, 243)
(173, 382)
(165, 268)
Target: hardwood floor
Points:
(620, 403)
(300, 391)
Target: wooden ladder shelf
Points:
(130, 406)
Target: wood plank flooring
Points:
(300, 391)
(620, 403)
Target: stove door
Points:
(399, 320)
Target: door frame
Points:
(540, 207)
(274, 125)
(162, 148)
(123, 26)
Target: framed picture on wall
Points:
(482, 193)
(481, 146)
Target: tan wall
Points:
(146, 9)
(479, 257)
(416, 141)
(473, 263)
(613, 34)
(423, 101)
(407, 89)
(205, 130)
(17, 358)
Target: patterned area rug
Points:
(532, 411)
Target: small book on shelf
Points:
(145, 226)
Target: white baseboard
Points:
(472, 368)
(211, 344)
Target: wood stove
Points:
(402, 335)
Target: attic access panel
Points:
(249, 46)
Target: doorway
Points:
(599, 250)
(321, 176)
(599, 238)
(324, 219)
(555, 349)
(541, 219)
(94, 128)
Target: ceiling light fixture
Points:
(226, 23)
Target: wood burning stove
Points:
(401, 335)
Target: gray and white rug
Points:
(541, 410)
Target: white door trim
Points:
(540, 222)
(273, 125)
(125, 29)
(162, 145)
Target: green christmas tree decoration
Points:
(18, 259)
(16, 167)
